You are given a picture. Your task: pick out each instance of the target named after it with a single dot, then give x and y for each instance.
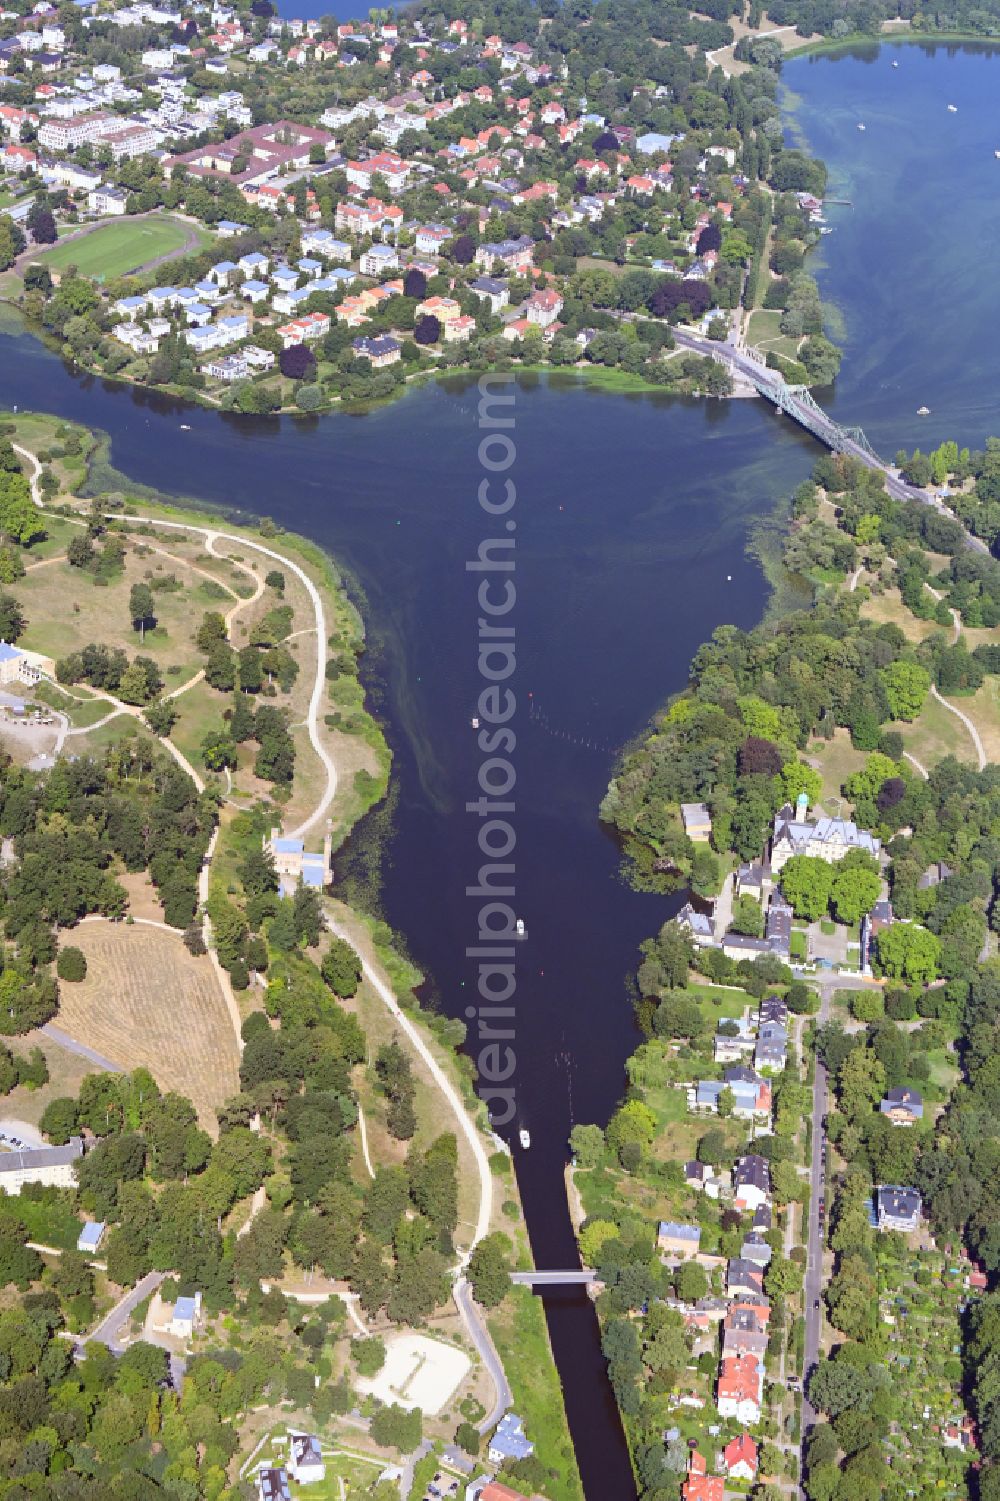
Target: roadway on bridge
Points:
(575, 1278)
(804, 410)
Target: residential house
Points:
(903, 1106)
(736, 1045)
(293, 300)
(431, 237)
(740, 1458)
(743, 1330)
(18, 158)
(750, 880)
(509, 1441)
(543, 308)
(386, 165)
(751, 1094)
(744, 1277)
(699, 1485)
(702, 1178)
(445, 309)
(294, 863)
(382, 351)
(881, 916)
(697, 821)
(698, 925)
(18, 666)
(491, 290)
(740, 1388)
(676, 1239)
(223, 272)
(228, 368)
(108, 202)
(512, 255)
(257, 358)
(255, 263)
(778, 925)
(772, 1009)
(323, 242)
(751, 1181)
(305, 1458)
(770, 1052)
(90, 1237)
(897, 1208)
(272, 1485)
(652, 142)
(377, 260)
(756, 1249)
(828, 839)
(186, 1316)
(458, 330)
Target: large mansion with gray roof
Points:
(828, 839)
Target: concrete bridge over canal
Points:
(579, 1277)
(797, 403)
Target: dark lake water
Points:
(632, 519)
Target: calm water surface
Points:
(632, 520)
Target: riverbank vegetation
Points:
(345, 1176)
(768, 713)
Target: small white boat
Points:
(828, 230)
(895, 64)
(185, 427)
(923, 411)
(996, 154)
(953, 109)
(475, 724)
(524, 1137)
(860, 125)
(519, 927)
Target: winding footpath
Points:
(956, 624)
(469, 1311)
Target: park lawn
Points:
(356, 1472)
(51, 1221)
(983, 708)
(80, 707)
(718, 1002)
(764, 333)
(59, 532)
(188, 1045)
(66, 608)
(41, 434)
(199, 710)
(520, 1335)
(67, 1072)
(835, 760)
(936, 733)
(889, 609)
(944, 1071)
(116, 249)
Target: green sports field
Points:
(114, 249)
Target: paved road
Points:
(214, 534)
(578, 1278)
(813, 1286)
(474, 1322)
(80, 1049)
(113, 1323)
(768, 382)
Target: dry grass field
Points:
(146, 1001)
